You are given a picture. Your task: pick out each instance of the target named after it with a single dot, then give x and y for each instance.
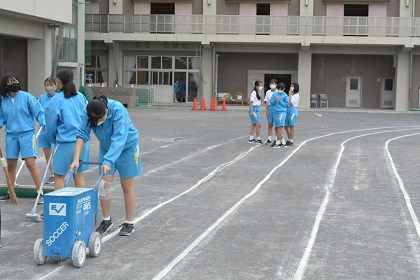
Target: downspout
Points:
(214, 62)
(58, 47)
(116, 60)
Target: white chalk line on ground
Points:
(330, 184)
(188, 157)
(135, 221)
(401, 184)
(169, 267)
(113, 234)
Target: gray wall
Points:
(226, 9)
(319, 8)
(393, 8)
(104, 7)
(197, 7)
(233, 68)
(128, 7)
(329, 79)
(294, 8)
(15, 55)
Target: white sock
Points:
(291, 140)
(251, 137)
(282, 141)
(277, 142)
(107, 219)
(269, 138)
(128, 222)
(258, 138)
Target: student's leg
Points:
(251, 130)
(11, 169)
(129, 197)
(258, 129)
(106, 203)
(291, 133)
(47, 153)
(287, 128)
(79, 180)
(58, 181)
(270, 129)
(33, 169)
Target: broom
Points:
(10, 187)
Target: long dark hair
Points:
(66, 78)
(4, 80)
(96, 109)
(256, 84)
(296, 87)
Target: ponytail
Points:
(256, 84)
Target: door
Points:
(354, 92)
(387, 93)
(161, 78)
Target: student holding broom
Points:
(63, 118)
(18, 110)
(118, 150)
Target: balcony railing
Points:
(255, 25)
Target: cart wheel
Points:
(78, 255)
(95, 244)
(39, 256)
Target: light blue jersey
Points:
(116, 135)
(63, 117)
(282, 104)
(19, 112)
(44, 100)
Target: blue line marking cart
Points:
(70, 217)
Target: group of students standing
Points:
(66, 120)
(281, 111)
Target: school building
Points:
(360, 53)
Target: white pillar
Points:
(403, 81)
(209, 7)
(116, 6)
(207, 72)
(306, 8)
(39, 62)
(304, 78)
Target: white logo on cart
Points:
(57, 209)
(60, 230)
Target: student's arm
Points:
(119, 137)
(251, 104)
(1, 118)
(37, 110)
(51, 122)
(79, 146)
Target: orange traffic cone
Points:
(213, 106)
(224, 105)
(195, 105)
(203, 104)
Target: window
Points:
(98, 69)
(162, 8)
(352, 10)
(263, 9)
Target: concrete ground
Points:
(342, 203)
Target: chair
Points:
(314, 100)
(323, 99)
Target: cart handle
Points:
(74, 170)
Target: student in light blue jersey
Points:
(118, 150)
(63, 118)
(18, 110)
(269, 110)
(254, 113)
(292, 113)
(43, 143)
(280, 101)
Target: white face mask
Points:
(273, 86)
(50, 90)
(292, 88)
(101, 121)
(260, 88)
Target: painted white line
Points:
(188, 157)
(210, 175)
(330, 184)
(113, 234)
(169, 267)
(401, 184)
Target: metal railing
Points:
(255, 25)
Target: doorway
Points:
(387, 93)
(281, 78)
(353, 91)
